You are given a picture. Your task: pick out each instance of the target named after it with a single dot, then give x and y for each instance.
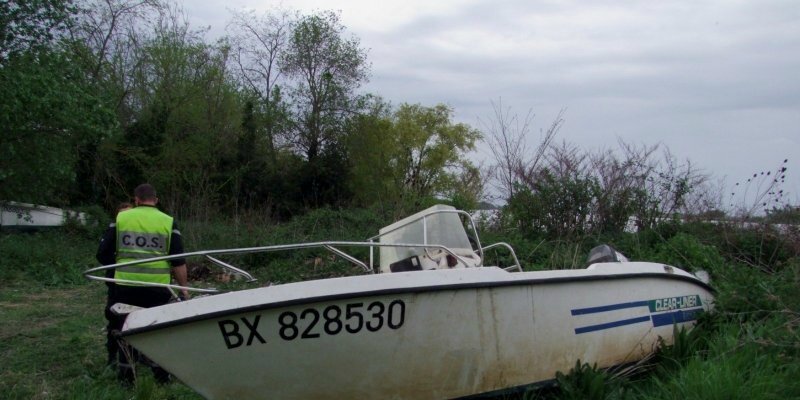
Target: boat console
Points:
(438, 225)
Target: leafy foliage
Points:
(43, 139)
(734, 367)
(586, 381)
(554, 207)
(688, 252)
(326, 69)
(29, 26)
(409, 155)
(565, 192)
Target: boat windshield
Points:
(438, 225)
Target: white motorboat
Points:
(431, 323)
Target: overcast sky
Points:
(718, 82)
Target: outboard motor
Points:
(603, 254)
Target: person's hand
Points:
(185, 294)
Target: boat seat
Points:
(409, 264)
(440, 259)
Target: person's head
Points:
(124, 206)
(145, 194)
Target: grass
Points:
(52, 338)
(52, 327)
(738, 364)
(51, 345)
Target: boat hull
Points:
(417, 335)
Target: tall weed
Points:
(586, 381)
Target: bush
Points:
(761, 246)
(93, 225)
(687, 252)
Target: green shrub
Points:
(93, 225)
(584, 382)
(688, 252)
(763, 246)
(749, 294)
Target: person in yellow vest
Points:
(142, 232)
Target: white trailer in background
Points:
(25, 216)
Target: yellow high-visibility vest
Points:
(143, 232)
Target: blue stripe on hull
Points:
(662, 319)
(613, 324)
(676, 317)
(610, 307)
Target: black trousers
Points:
(125, 355)
(111, 342)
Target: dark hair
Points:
(145, 192)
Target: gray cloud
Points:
(716, 81)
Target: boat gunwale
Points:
(410, 290)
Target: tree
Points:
(507, 136)
(429, 152)
(105, 41)
(184, 133)
(401, 158)
(257, 42)
(29, 26)
(326, 70)
(371, 151)
(49, 111)
(106, 32)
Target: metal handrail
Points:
(328, 245)
(517, 265)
